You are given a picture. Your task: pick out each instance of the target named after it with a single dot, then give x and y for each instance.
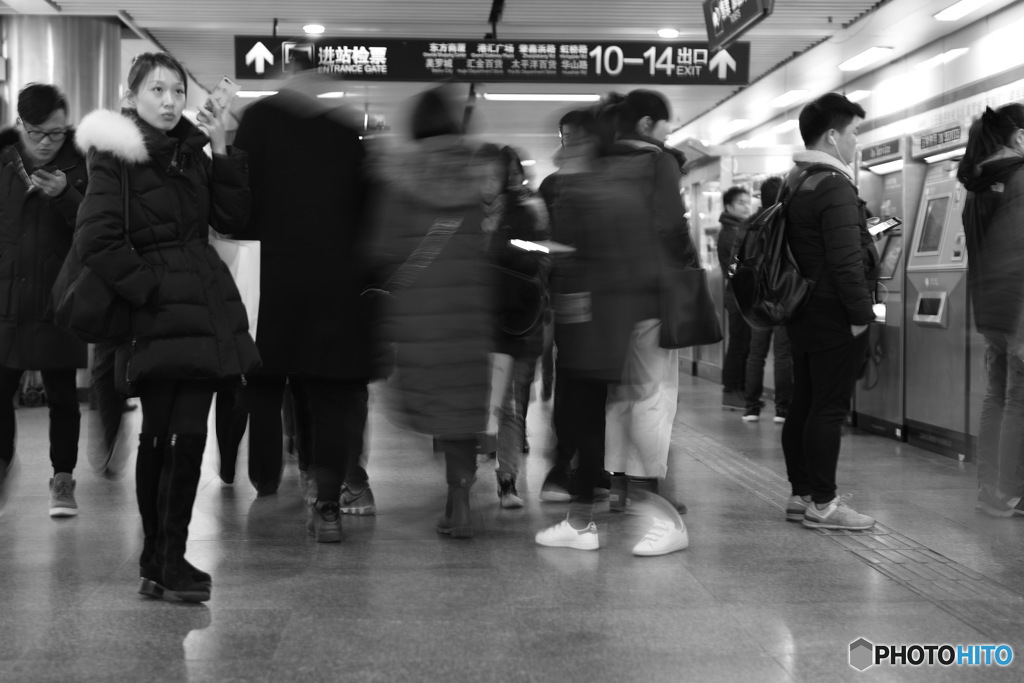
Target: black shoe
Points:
(733, 400)
(179, 585)
(456, 521)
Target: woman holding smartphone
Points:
(189, 328)
(42, 178)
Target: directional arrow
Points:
(261, 55)
(723, 61)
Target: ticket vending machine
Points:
(891, 187)
(941, 350)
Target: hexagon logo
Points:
(862, 654)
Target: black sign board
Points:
(727, 20)
(511, 61)
(883, 149)
(941, 137)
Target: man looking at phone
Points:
(42, 181)
(827, 232)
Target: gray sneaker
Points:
(62, 496)
(796, 506)
(361, 503)
(835, 515)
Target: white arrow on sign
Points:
(262, 56)
(722, 61)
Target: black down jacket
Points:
(35, 236)
(188, 321)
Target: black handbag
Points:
(522, 303)
(83, 303)
(689, 316)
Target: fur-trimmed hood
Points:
(130, 139)
(109, 131)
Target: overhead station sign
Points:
(727, 20)
(510, 61)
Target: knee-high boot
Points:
(179, 479)
(460, 471)
(148, 465)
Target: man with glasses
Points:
(42, 181)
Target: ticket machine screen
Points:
(931, 229)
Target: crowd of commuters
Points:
(401, 266)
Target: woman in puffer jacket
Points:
(189, 326)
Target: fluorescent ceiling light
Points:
(736, 124)
(251, 94)
(940, 59)
(951, 154)
(540, 97)
(529, 162)
(313, 28)
(960, 10)
(858, 95)
(668, 33)
(790, 98)
(887, 168)
(866, 58)
(786, 126)
(331, 95)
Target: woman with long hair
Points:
(189, 328)
(992, 170)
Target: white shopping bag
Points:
(242, 257)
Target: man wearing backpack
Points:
(827, 234)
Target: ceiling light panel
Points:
(789, 98)
(960, 9)
(540, 97)
(866, 58)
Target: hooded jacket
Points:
(188, 321)
(994, 223)
(826, 227)
(442, 323)
(35, 236)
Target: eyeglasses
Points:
(38, 135)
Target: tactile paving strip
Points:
(971, 597)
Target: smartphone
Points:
(885, 225)
(220, 97)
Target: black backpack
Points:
(767, 283)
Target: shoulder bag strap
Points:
(432, 244)
(124, 198)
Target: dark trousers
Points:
(336, 410)
(826, 360)
(65, 417)
(110, 402)
(1001, 435)
(734, 367)
(760, 340)
(584, 414)
(565, 444)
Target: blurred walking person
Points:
(437, 293)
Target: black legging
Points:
(583, 420)
(65, 417)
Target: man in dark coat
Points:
(736, 211)
(827, 232)
(306, 165)
(42, 180)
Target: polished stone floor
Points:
(753, 599)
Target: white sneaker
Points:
(836, 515)
(663, 538)
(562, 535)
(796, 506)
